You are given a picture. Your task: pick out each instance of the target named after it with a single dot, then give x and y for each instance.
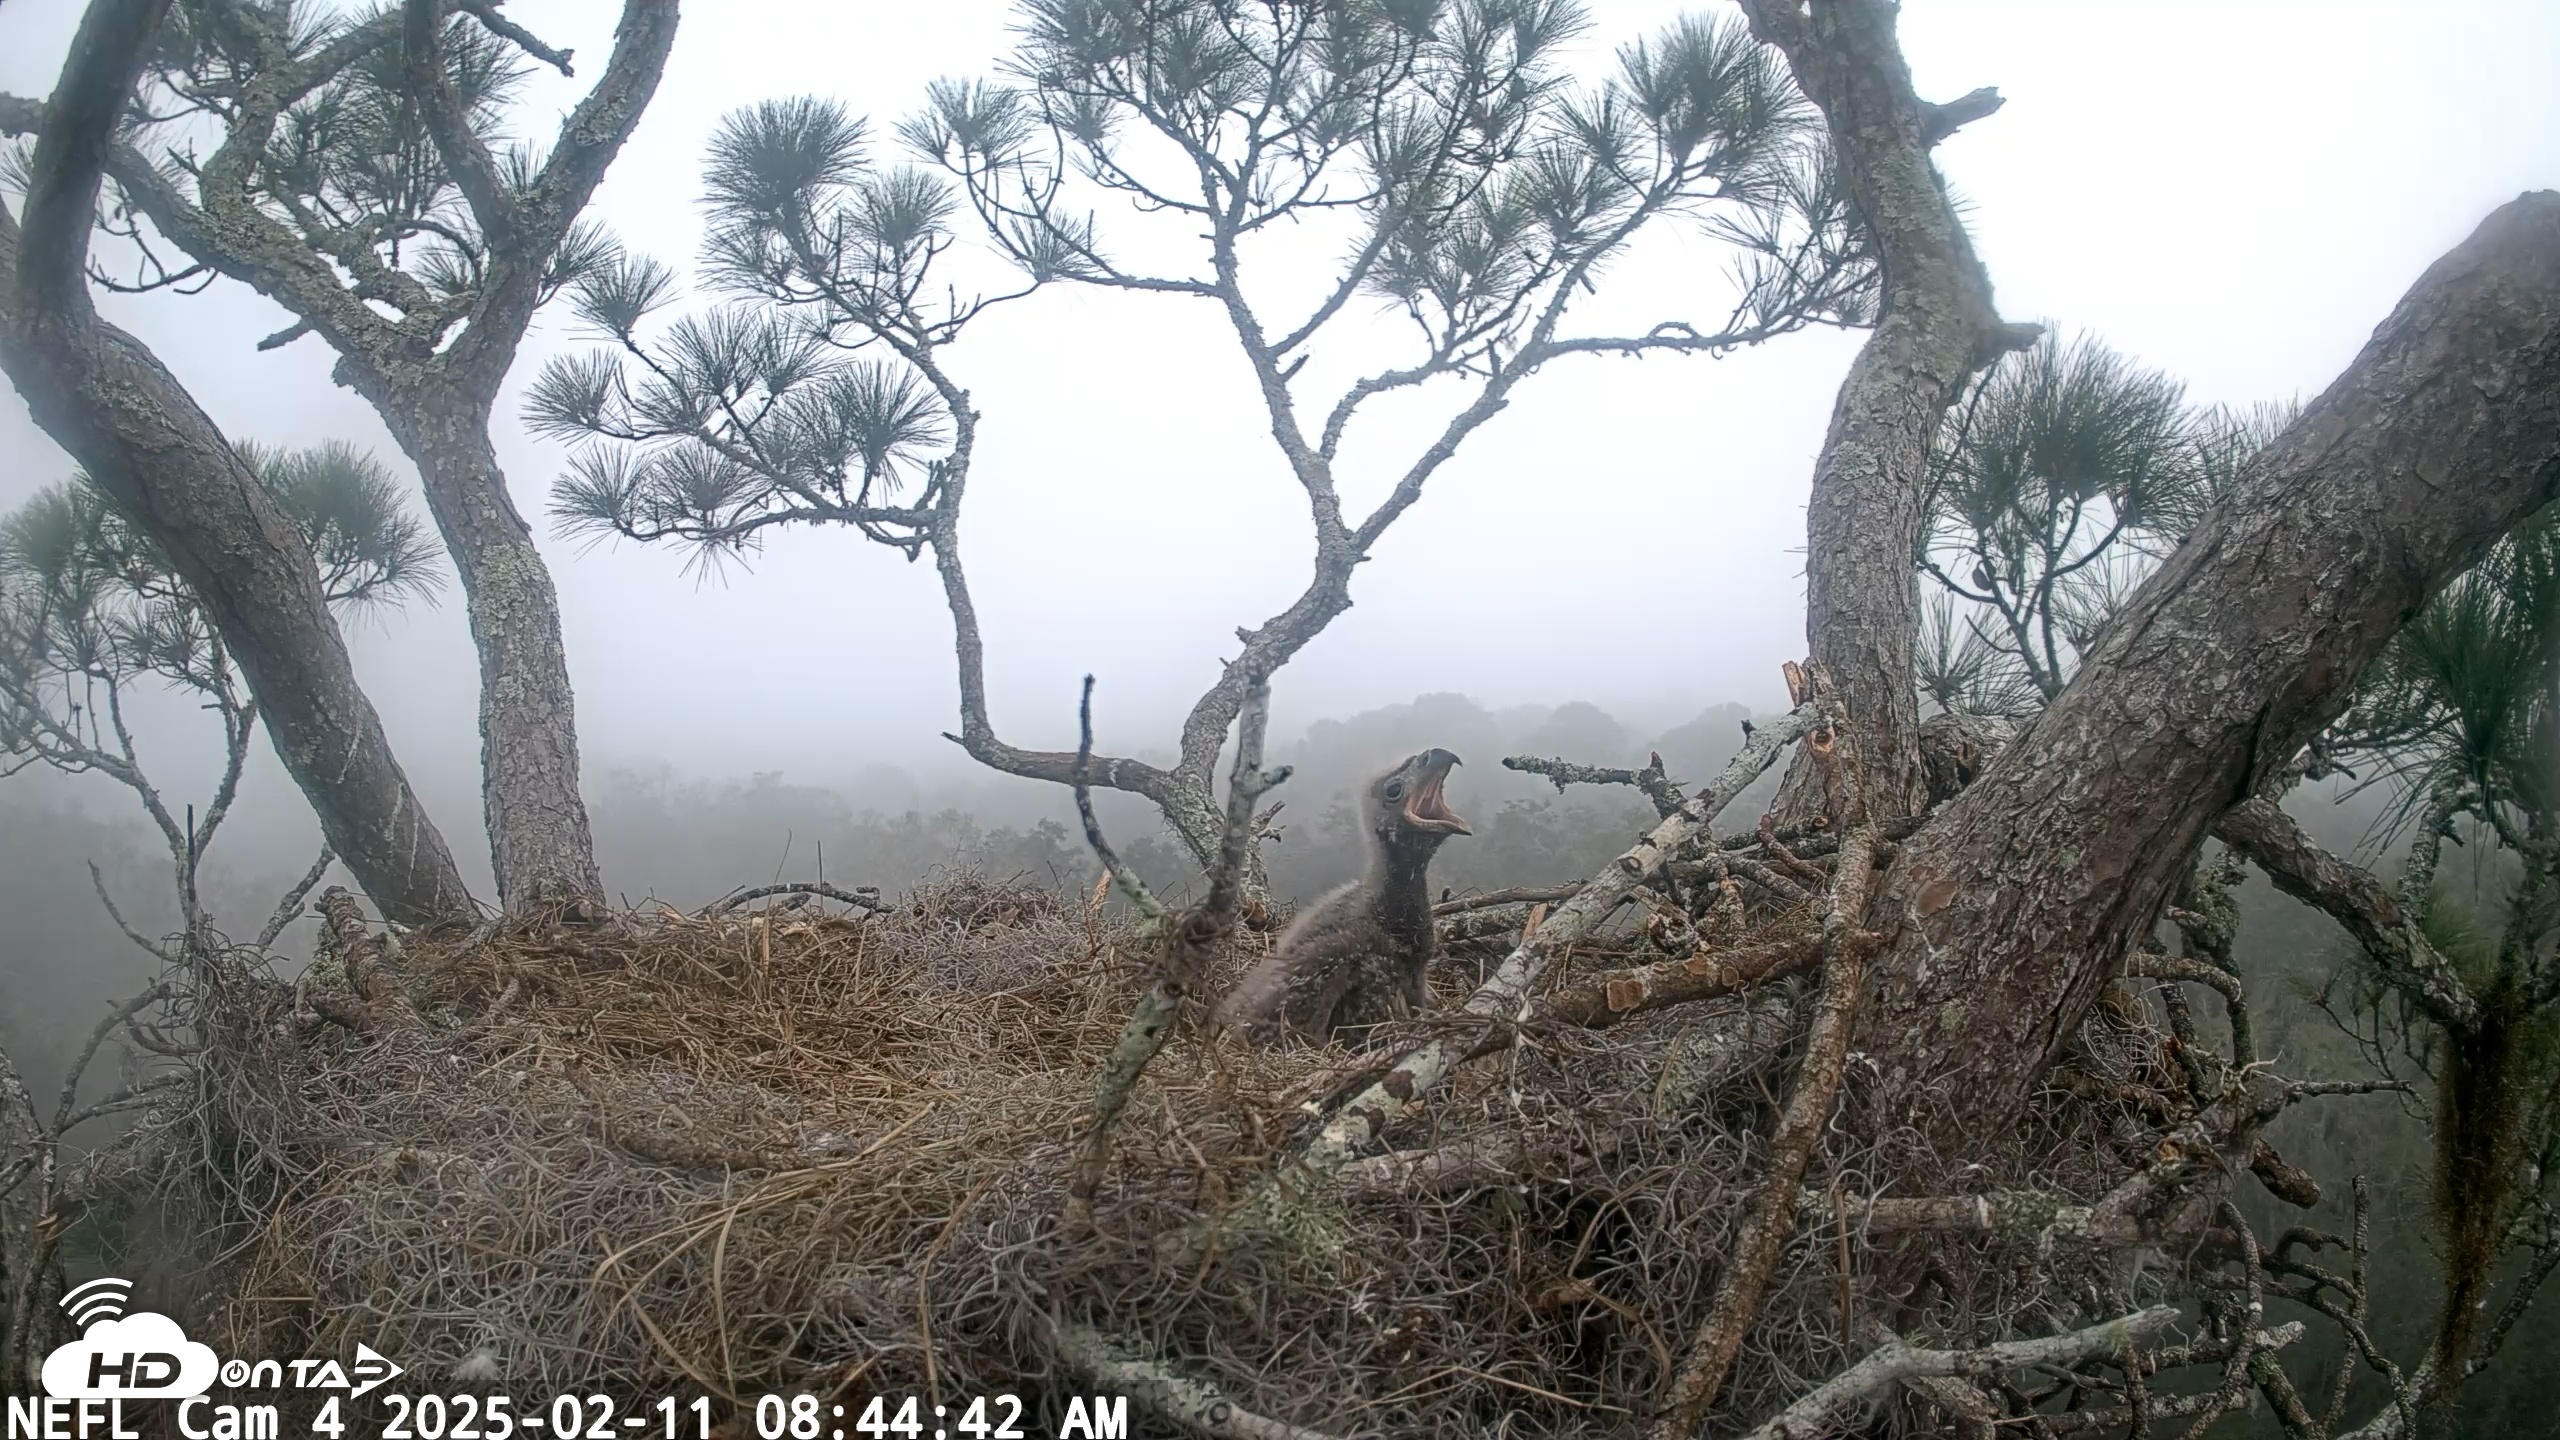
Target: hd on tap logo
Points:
(141, 1356)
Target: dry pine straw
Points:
(788, 1151)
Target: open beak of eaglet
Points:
(1427, 808)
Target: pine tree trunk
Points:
(1935, 329)
(2011, 911)
(538, 835)
(106, 399)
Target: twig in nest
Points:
(1619, 994)
(289, 908)
(1777, 849)
(1786, 890)
(867, 897)
(1516, 895)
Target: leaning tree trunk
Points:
(433, 370)
(142, 438)
(538, 834)
(1935, 329)
(2010, 912)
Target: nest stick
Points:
(1770, 1218)
(1820, 1413)
(1194, 1405)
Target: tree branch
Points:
(2349, 894)
(70, 157)
(1937, 122)
(1652, 780)
(1937, 325)
(1194, 1405)
(1189, 942)
(1819, 1413)
(590, 136)
(1618, 995)
(486, 12)
(465, 154)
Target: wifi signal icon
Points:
(98, 1300)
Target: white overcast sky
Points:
(2233, 191)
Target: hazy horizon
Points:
(2235, 196)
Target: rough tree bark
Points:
(1935, 329)
(2020, 900)
(539, 844)
(432, 363)
(142, 438)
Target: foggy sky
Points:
(2235, 192)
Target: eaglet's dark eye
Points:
(1395, 789)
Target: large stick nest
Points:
(799, 1151)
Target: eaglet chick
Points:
(1359, 955)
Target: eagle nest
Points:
(829, 1150)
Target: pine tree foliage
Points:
(2457, 719)
(90, 610)
(1477, 188)
(350, 168)
(2055, 487)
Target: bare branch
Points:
(1192, 1404)
(486, 12)
(1079, 778)
(1652, 780)
(1937, 122)
(65, 1108)
(865, 897)
(1819, 1413)
(1619, 995)
(2351, 895)
(98, 882)
(290, 908)
(1189, 942)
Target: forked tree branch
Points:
(1189, 941)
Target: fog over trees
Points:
(2002, 875)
